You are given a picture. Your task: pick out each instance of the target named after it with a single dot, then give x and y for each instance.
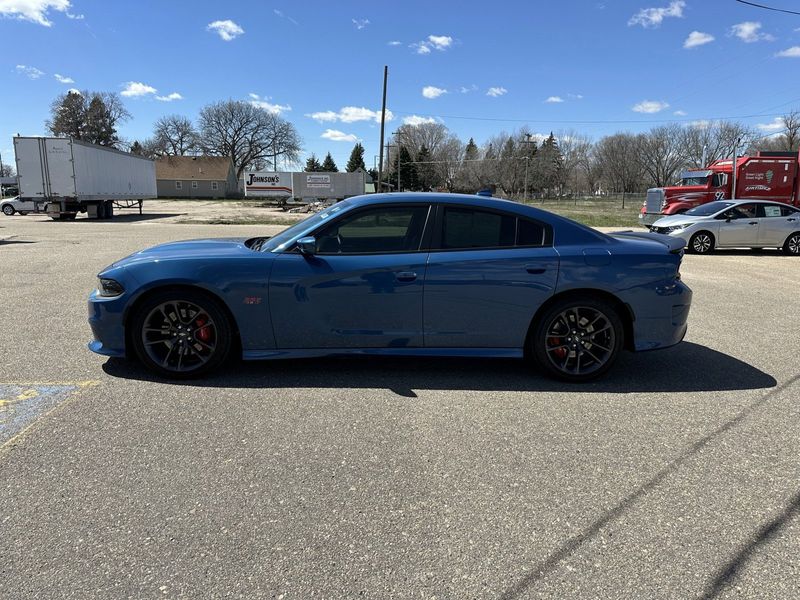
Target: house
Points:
(196, 177)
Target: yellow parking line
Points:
(17, 437)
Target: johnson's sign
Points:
(267, 184)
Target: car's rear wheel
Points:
(792, 245)
(578, 340)
(701, 242)
(8, 210)
(181, 334)
(23, 212)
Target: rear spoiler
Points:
(675, 244)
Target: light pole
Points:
(527, 163)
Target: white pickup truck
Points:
(9, 206)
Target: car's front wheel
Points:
(578, 340)
(8, 210)
(701, 242)
(181, 334)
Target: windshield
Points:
(705, 210)
(694, 181)
(279, 241)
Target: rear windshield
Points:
(705, 210)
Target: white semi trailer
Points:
(64, 177)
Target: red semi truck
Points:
(765, 176)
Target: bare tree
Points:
(174, 135)
(617, 155)
(714, 141)
(250, 135)
(788, 139)
(659, 152)
(575, 150)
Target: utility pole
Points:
(383, 122)
(733, 168)
(527, 162)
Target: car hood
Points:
(677, 220)
(211, 248)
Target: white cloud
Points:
(496, 91)
(431, 91)
(360, 23)
(75, 17)
(394, 43)
(650, 106)
(29, 72)
(575, 96)
(414, 120)
(135, 89)
(464, 89)
(679, 113)
(264, 104)
(227, 29)
(63, 78)
(793, 52)
(170, 97)
(702, 124)
(338, 136)
(697, 38)
(34, 11)
(776, 125)
(749, 32)
(440, 42)
(652, 17)
(554, 99)
(434, 42)
(350, 114)
(283, 16)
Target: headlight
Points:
(679, 227)
(108, 287)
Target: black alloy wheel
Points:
(578, 340)
(181, 334)
(701, 242)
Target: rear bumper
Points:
(107, 325)
(664, 323)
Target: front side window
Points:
(375, 231)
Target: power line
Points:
(783, 10)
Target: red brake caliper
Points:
(556, 341)
(203, 333)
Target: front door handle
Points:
(534, 270)
(791, 219)
(405, 276)
(753, 223)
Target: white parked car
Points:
(735, 224)
(15, 205)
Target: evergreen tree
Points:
(550, 164)
(408, 171)
(426, 174)
(88, 116)
(328, 164)
(312, 164)
(99, 129)
(69, 116)
(356, 160)
(471, 151)
(137, 148)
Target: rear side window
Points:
(788, 211)
(467, 228)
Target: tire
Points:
(23, 212)
(792, 244)
(8, 210)
(577, 340)
(101, 210)
(190, 321)
(701, 242)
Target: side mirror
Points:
(307, 245)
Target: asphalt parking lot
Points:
(675, 477)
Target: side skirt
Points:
(439, 352)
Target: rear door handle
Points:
(753, 223)
(405, 276)
(534, 270)
(792, 219)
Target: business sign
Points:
(264, 184)
(318, 181)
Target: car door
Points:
(777, 222)
(487, 274)
(739, 226)
(361, 289)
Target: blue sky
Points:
(591, 66)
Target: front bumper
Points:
(647, 219)
(106, 319)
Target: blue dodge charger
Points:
(399, 275)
